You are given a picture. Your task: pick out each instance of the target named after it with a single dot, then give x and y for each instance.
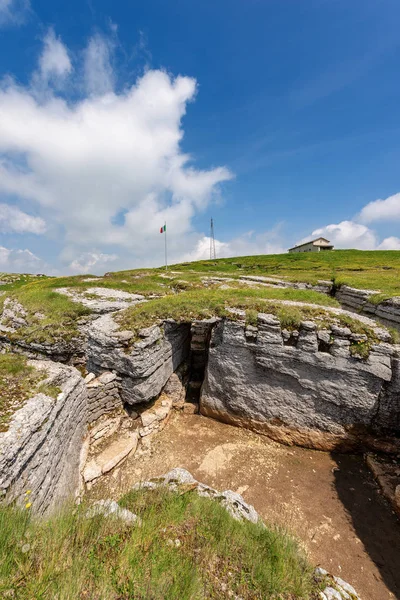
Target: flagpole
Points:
(165, 231)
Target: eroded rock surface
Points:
(102, 300)
(144, 366)
(301, 390)
(40, 452)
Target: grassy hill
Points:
(377, 270)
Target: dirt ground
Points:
(330, 502)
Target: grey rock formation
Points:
(297, 393)
(359, 300)
(40, 452)
(14, 317)
(145, 366)
(102, 300)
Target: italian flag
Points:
(163, 228)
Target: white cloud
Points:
(54, 60)
(390, 243)
(349, 234)
(105, 170)
(91, 262)
(13, 12)
(382, 210)
(13, 220)
(20, 261)
(99, 75)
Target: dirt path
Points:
(331, 502)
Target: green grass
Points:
(52, 316)
(18, 382)
(203, 304)
(377, 270)
(69, 557)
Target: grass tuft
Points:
(19, 382)
(187, 547)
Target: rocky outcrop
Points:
(40, 452)
(360, 301)
(302, 387)
(13, 323)
(386, 471)
(325, 287)
(102, 300)
(143, 366)
(353, 298)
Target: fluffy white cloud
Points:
(349, 234)
(91, 262)
(13, 220)
(390, 243)
(106, 170)
(13, 12)
(20, 261)
(382, 210)
(54, 60)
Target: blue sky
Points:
(279, 118)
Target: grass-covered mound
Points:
(187, 547)
(203, 304)
(18, 382)
(363, 269)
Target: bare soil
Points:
(331, 502)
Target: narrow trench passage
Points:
(198, 358)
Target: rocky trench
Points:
(298, 387)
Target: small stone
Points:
(91, 471)
(89, 377)
(107, 377)
(148, 418)
(308, 325)
(110, 508)
(341, 332)
(332, 594)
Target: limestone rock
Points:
(102, 300)
(115, 453)
(297, 394)
(146, 366)
(41, 450)
(110, 508)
